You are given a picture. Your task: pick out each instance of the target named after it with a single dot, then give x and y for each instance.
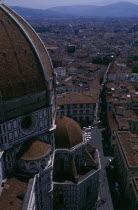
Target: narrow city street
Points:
(105, 201)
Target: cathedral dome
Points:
(68, 133)
(25, 66)
(34, 150)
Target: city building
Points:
(80, 107)
(60, 71)
(126, 157)
(133, 195)
(119, 93)
(71, 49)
(121, 120)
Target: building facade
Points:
(79, 107)
(133, 198)
(60, 71)
(126, 159)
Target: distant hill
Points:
(122, 9)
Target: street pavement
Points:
(105, 201)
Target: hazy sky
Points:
(43, 4)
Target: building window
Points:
(87, 111)
(45, 122)
(26, 122)
(68, 106)
(87, 105)
(74, 105)
(74, 112)
(14, 124)
(9, 126)
(4, 129)
(45, 112)
(4, 139)
(81, 105)
(62, 113)
(81, 112)
(87, 118)
(68, 113)
(62, 106)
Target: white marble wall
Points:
(11, 131)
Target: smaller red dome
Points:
(34, 150)
(68, 133)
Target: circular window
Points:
(28, 124)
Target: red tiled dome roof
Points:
(34, 150)
(68, 133)
(25, 66)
